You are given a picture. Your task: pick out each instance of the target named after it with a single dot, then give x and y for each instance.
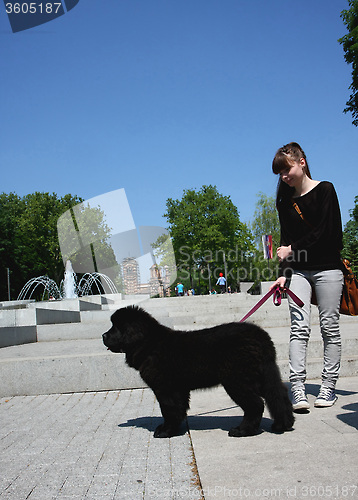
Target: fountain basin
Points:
(15, 304)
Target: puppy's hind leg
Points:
(276, 397)
(252, 405)
(174, 407)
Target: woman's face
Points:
(294, 174)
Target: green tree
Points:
(350, 47)
(350, 238)
(11, 207)
(208, 236)
(37, 234)
(28, 238)
(83, 234)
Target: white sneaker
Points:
(299, 401)
(326, 397)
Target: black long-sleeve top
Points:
(316, 242)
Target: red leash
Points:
(277, 297)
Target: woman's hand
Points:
(284, 252)
(280, 282)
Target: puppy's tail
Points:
(276, 397)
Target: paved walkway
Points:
(318, 459)
(100, 445)
(91, 445)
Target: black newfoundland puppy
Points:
(240, 356)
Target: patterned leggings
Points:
(328, 288)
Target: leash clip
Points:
(277, 295)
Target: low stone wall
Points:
(15, 304)
(60, 374)
(19, 319)
(17, 335)
(18, 326)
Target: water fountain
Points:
(49, 287)
(68, 288)
(95, 279)
(69, 283)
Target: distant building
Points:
(131, 276)
(159, 280)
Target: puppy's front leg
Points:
(174, 406)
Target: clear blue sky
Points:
(158, 96)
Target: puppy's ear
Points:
(133, 333)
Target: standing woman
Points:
(309, 255)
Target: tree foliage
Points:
(266, 220)
(207, 234)
(83, 233)
(28, 238)
(350, 238)
(350, 47)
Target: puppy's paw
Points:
(237, 432)
(279, 428)
(163, 432)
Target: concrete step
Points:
(80, 331)
(64, 366)
(86, 365)
(349, 367)
(183, 317)
(72, 358)
(265, 322)
(102, 372)
(94, 323)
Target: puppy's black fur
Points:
(240, 356)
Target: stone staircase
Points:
(70, 357)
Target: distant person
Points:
(221, 282)
(309, 255)
(180, 289)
